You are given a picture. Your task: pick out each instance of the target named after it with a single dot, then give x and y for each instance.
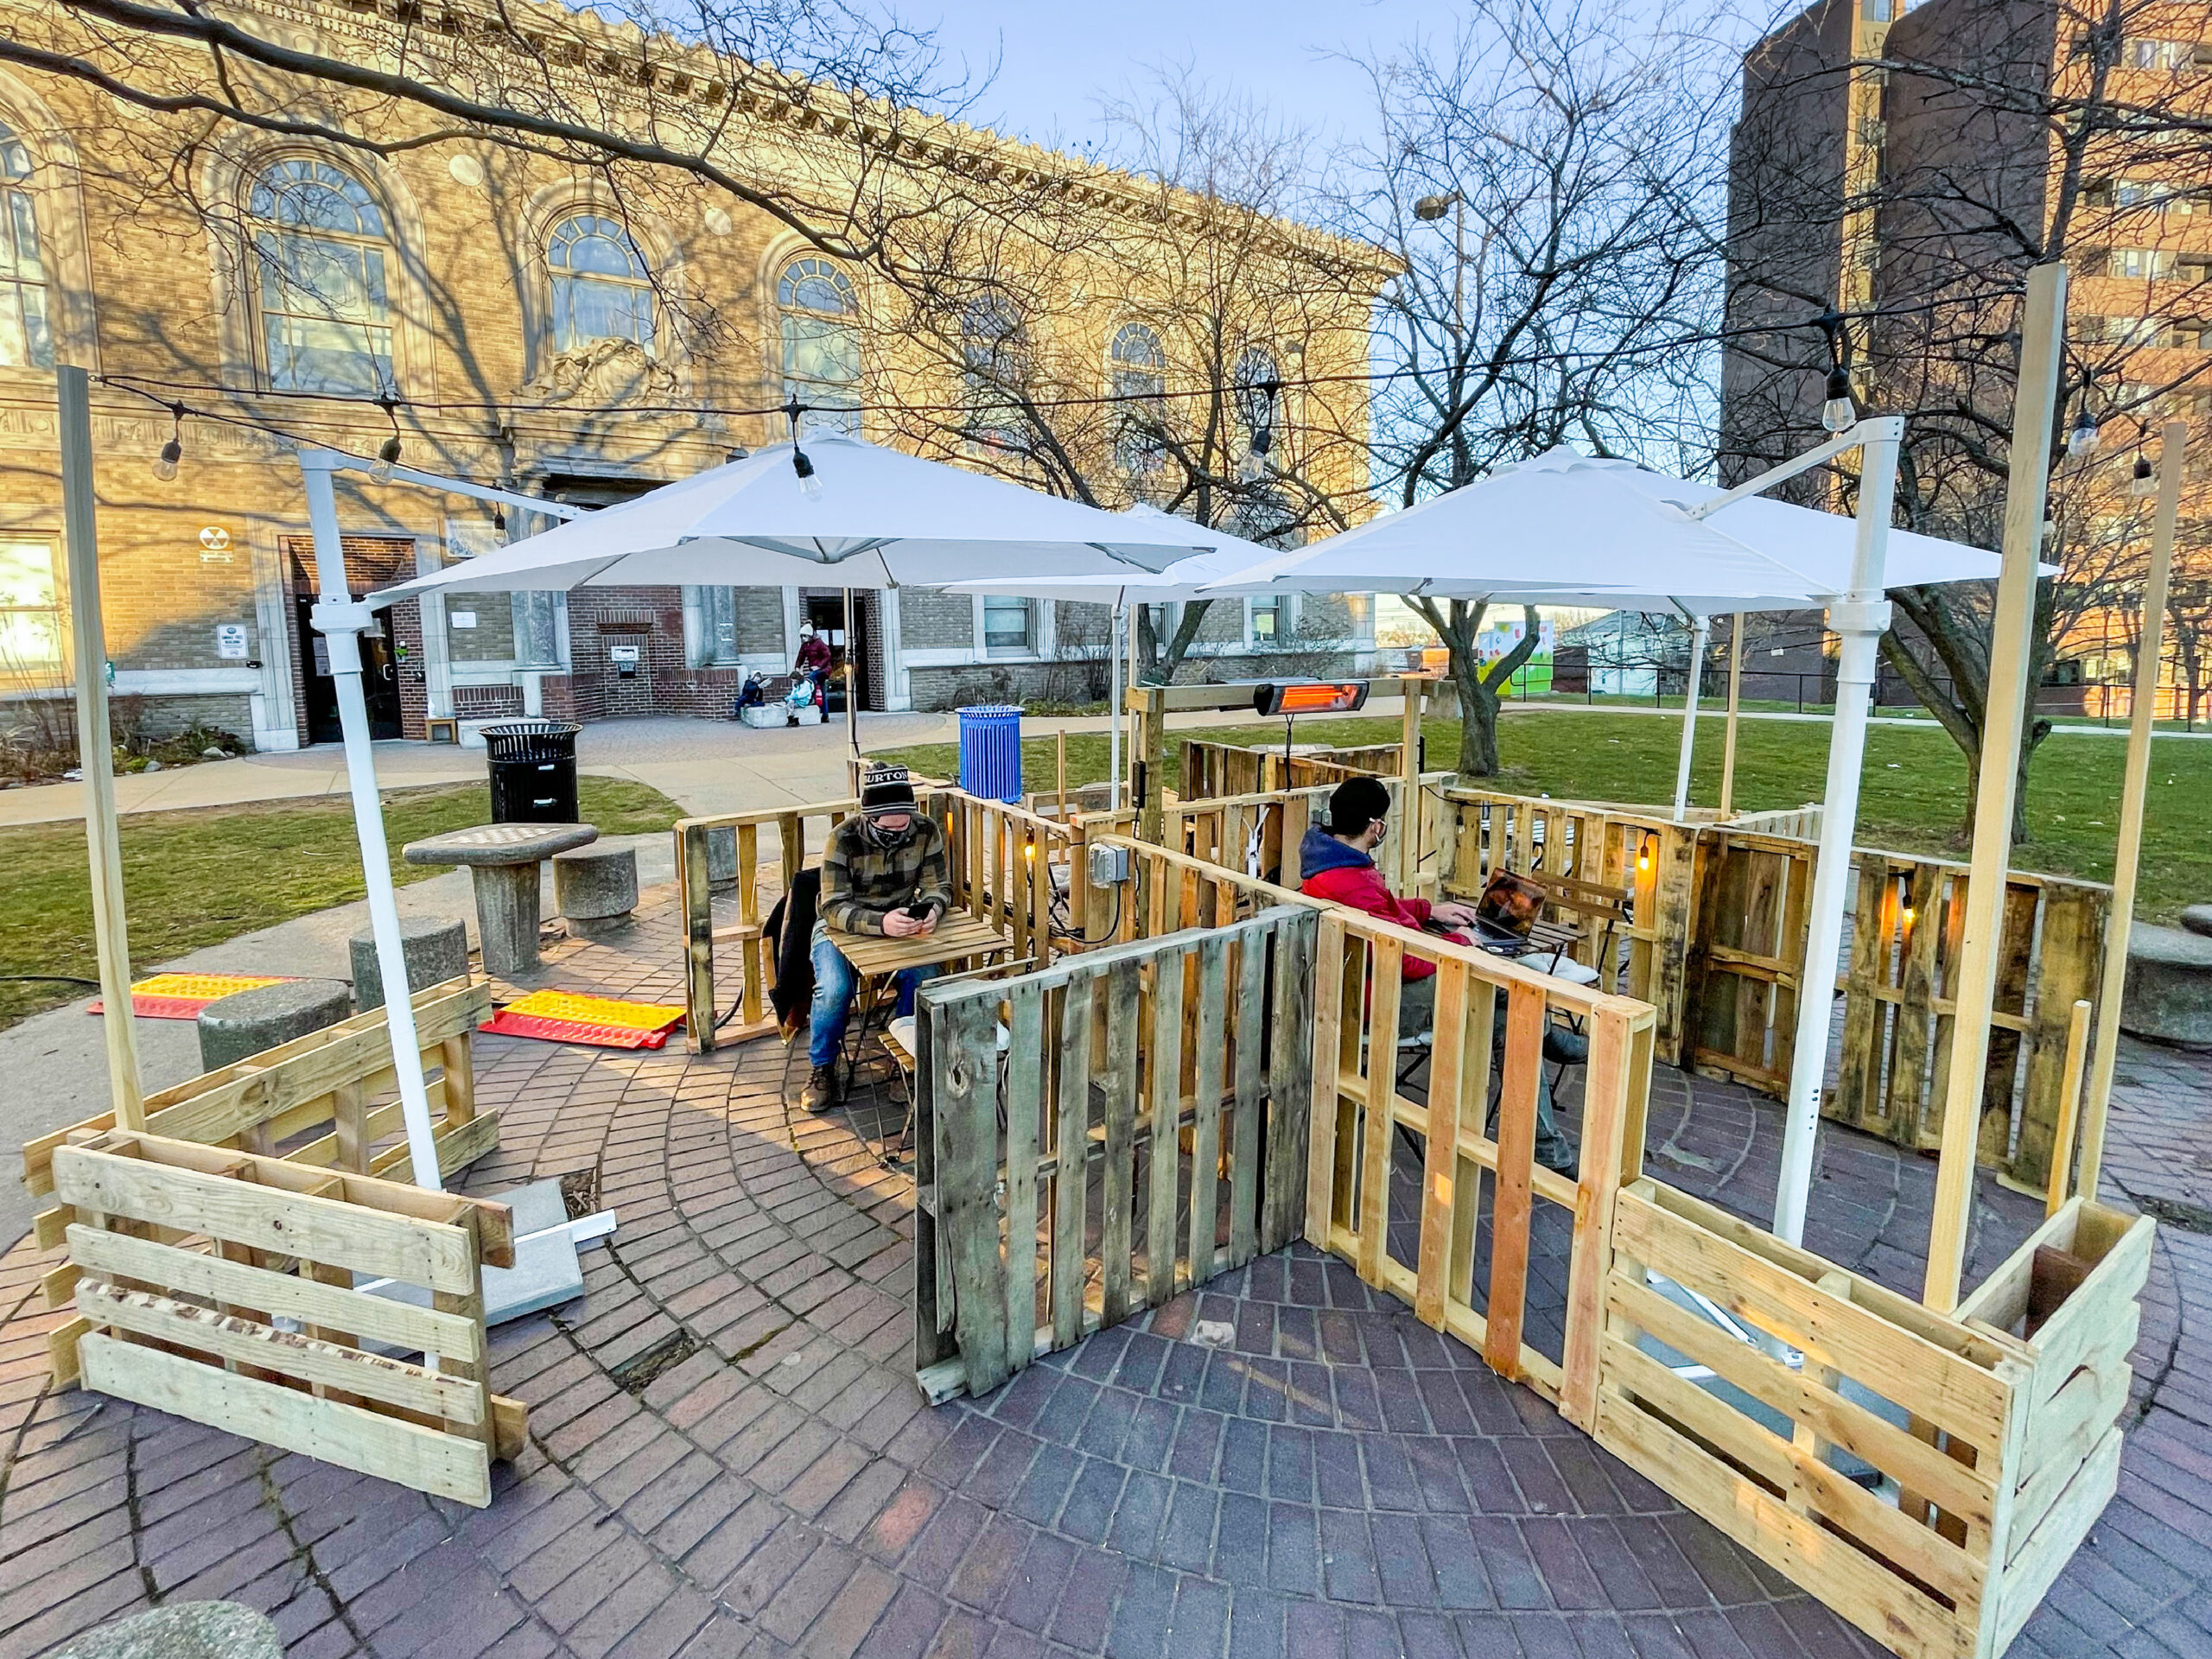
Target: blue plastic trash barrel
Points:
(990, 752)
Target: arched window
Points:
(323, 254)
(601, 289)
(1137, 373)
(817, 311)
(25, 340)
(994, 359)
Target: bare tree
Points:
(1181, 341)
(1542, 181)
(1982, 141)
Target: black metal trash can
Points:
(533, 771)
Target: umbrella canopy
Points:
(878, 519)
(1568, 528)
(1180, 581)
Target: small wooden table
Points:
(503, 861)
(957, 936)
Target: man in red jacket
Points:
(1338, 864)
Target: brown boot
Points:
(820, 1090)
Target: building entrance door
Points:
(827, 613)
(379, 679)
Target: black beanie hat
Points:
(1354, 803)
(887, 790)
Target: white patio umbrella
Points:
(843, 509)
(1179, 583)
(1629, 539)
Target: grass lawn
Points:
(1911, 799)
(197, 878)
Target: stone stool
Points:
(502, 859)
(595, 888)
(239, 1026)
(2169, 994)
(186, 1630)
(2197, 919)
(435, 951)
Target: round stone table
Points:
(502, 859)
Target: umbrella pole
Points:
(1735, 698)
(2142, 712)
(340, 619)
(1859, 620)
(851, 689)
(1700, 634)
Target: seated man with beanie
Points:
(1337, 863)
(885, 873)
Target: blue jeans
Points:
(834, 983)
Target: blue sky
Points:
(1057, 58)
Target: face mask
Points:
(879, 837)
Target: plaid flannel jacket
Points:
(861, 883)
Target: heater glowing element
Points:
(1312, 697)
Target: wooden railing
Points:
(329, 1099)
(1007, 864)
(1140, 1130)
(1715, 942)
(234, 1290)
(1215, 769)
(1360, 1105)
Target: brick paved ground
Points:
(1340, 1481)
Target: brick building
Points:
(513, 322)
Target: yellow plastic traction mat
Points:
(570, 1008)
(207, 985)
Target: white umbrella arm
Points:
(341, 619)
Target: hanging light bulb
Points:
(387, 458)
(2082, 440)
(172, 451)
(809, 485)
(1840, 411)
(499, 518)
(2144, 484)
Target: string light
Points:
(388, 452)
(809, 485)
(2081, 441)
(1840, 411)
(172, 451)
(2145, 481)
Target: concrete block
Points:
(435, 951)
(2169, 994)
(238, 1026)
(186, 1630)
(2197, 920)
(595, 888)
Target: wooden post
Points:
(1409, 813)
(1735, 698)
(2143, 707)
(1150, 750)
(1061, 770)
(95, 747)
(2069, 1102)
(2034, 410)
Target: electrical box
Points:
(1109, 865)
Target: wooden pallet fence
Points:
(221, 1286)
(1646, 954)
(1139, 1129)
(1360, 1106)
(1209, 770)
(1898, 1006)
(1923, 1475)
(1007, 864)
(1747, 956)
(329, 1099)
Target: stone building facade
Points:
(512, 322)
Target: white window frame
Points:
(1029, 651)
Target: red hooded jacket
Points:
(1344, 875)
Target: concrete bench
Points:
(2169, 995)
(238, 1026)
(503, 861)
(595, 888)
(435, 951)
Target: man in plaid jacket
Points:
(884, 872)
